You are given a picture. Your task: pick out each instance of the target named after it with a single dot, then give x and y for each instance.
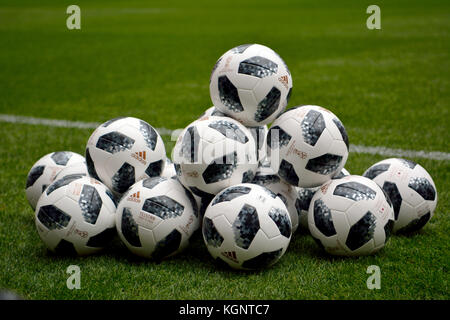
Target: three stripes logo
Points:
(135, 197)
(141, 156)
(230, 255)
(284, 81)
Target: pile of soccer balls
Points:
(246, 187)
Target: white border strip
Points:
(384, 151)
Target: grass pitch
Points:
(390, 87)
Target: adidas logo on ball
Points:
(135, 197)
(140, 156)
(230, 255)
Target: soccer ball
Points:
(44, 171)
(411, 190)
(213, 154)
(259, 133)
(76, 215)
(78, 168)
(156, 217)
(266, 177)
(304, 196)
(250, 83)
(247, 226)
(122, 151)
(351, 216)
(307, 146)
(169, 170)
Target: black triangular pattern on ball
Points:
(263, 260)
(283, 138)
(361, 232)
(221, 168)
(229, 130)
(376, 170)
(312, 126)
(90, 204)
(390, 188)
(282, 220)
(265, 179)
(52, 217)
(288, 97)
(190, 144)
(63, 182)
(65, 248)
(123, 178)
(167, 246)
(149, 133)
(287, 172)
(354, 191)
(212, 236)
(324, 164)
(150, 183)
(416, 224)
(229, 95)
(245, 226)
(102, 239)
(91, 166)
(114, 142)
(388, 227)
(342, 130)
(423, 187)
(129, 228)
(154, 169)
(230, 194)
(268, 105)
(304, 199)
(34, 174)
(323, 219)
(61, 157)
(163, 207)
(257, 66)
(247, 176)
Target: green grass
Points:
(152, 61)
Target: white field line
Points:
(379, 150)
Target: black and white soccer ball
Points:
(411, 190)
(307, 146)
(259, 133)
(265, 176)
(76, 215)
(122, 151)
(351, 216)
(247, 226)
(214, 153)
(304, 196)
(251, 83)
(78, 168)
(44, 171)
(156, 217)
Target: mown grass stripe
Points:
(378, 150)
